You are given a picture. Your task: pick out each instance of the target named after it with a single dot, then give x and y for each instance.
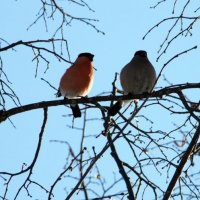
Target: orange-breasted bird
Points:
(137, 77)
(77, 80)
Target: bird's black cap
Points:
(88, 55)
(141, 53)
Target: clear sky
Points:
(124, 24)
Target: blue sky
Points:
(124, 25)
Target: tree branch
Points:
(93, 100)
(29, 169)
(184, 159)
(121, 168)
(30, 44)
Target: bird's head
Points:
(141, 53)
(88, 55)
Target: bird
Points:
(136, 77)
(77, 80)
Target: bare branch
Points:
(38, 48)
(92, 100)
(183, 161)
(50, 8)
(29, 169)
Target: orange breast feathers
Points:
(78, 79)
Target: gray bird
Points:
(137, 77)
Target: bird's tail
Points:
(75, 110)
(115, 108)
